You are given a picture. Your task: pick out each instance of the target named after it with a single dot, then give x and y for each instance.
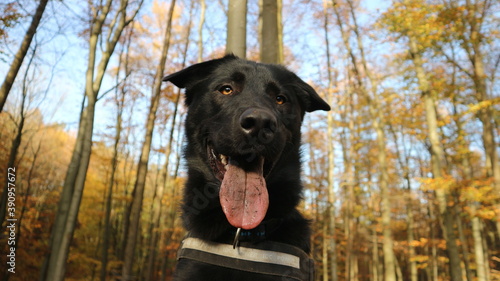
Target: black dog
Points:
(243, 186)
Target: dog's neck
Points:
(270, 258)
(258, 234)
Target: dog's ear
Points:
(195, 73)
(313, 100)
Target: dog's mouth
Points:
(243, 193)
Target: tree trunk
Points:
(472, 41)
(168, 220)
(203, 8)
(69, 204)
(464, 246)
(14, 149)
(109, 190)
(478, 246)
(21, 53)
(433, 246)
(236, 41)
(142, 168)
(27, 193)
(404, 166)
(65, 229)
(75, 163)
(411, 249)
(270, 46)
(486, 115)
(387, 242)
(158, 207)
(120, 100)
(378, 125)
(281, 52)
(324, 253)
(349, 159)
(348, 224)
(475, 18)
(437, 154)
(375, 259)
(332, 246)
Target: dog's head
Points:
(243, 119)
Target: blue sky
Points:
(61, 55)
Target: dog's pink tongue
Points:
(243, 196)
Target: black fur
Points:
(214, 119)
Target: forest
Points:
(401, 177)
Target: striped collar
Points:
(267, 257)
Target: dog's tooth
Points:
(223, 159)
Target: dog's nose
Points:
(259, 123)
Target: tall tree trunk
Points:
(349, 159)
(21, 53)
(475, 221)
(437, 153)
(376, 268)
(69, 204)
(375, 258)
(236, 40)
(65, 222)
(168, 219)
(387, 242)
(120, 105)
(77, 156)
(464, 246)
(474, 18)
(348, 210)
(14, 147)
(486, 116)
(378, 125)
(142, 168)
(478, 246)
(108, 202)
(404, 165)
(324, 253)
(332, 246)
(158, 207)
(434, 255)
(27, 194)
(485, 248)
(269, 46)
(411, 236)
(203, 8)
(281, 52)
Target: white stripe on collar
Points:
(242, 253)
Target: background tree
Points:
(236, 39)
(331, 247)
(21, 53)
(119, 99)
(270, 51)
(142, 168)
(74, 183)
(369, 91)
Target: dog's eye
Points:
(280, 99)
(226, 90)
